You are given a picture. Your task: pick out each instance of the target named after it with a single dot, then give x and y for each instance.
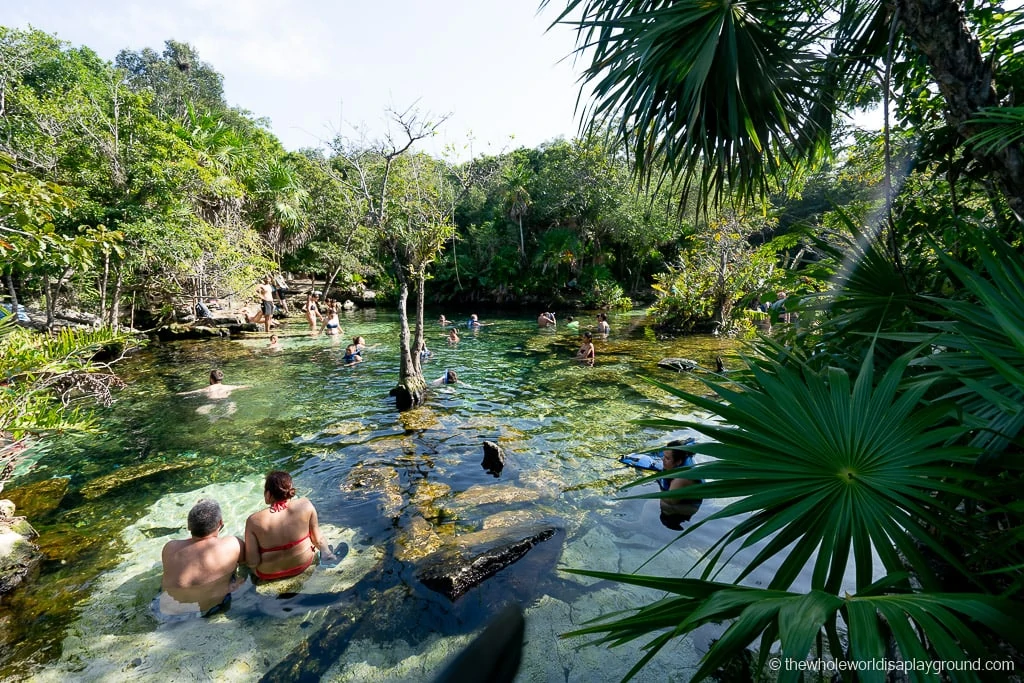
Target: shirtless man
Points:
(545, 319)
(266, 292)
(199, 572)
(217, 388)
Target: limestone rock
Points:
(377, 479)
(486, 495)
(127, 475)
(41, 497)
(494, 458)
(678, 364)
(472, 558)
(19, 559)
(416, 540)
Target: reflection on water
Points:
(393, 488)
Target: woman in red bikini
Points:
(283, 540)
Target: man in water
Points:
(216, 389)
(199, 572)
(546, 319)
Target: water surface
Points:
(390, 487)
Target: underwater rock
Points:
(127, 475)
(494, 458)
(19, 557)
(471, 558)
(377, 479)
(678, 364)
(416, 540)
(344, 428)
(66, 542)
(39, 498)
(424, 497)
(511, 518)
(419, 419)
(486, 495)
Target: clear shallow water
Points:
(389, 486)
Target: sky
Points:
(317, 68)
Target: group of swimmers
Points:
(201, 572)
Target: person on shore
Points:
(586, 353)
(602, 324)
(449, 377)
(216, 389)
(199, 573)
(203, 310)
(281, 288)
(453, 336)
(283, 540)
(266, 294)
(312, 310)
(673, 457)
(546, 319)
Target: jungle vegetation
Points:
(868, 455)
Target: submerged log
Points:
(472, 558)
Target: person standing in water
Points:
(586, 353)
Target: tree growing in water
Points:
(409, 200)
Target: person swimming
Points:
(449, 377)
(473, 322)
(353, 352)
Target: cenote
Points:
(391, 487)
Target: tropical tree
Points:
(408, 205)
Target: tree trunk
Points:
(104, 279)
(409, 392)
(13, 292)
(115, 300)
(417, 357)
(938, 28)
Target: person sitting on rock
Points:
(283, 540)
(201, 572)
(203, 311)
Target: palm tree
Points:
(517, 198)
(728, 94)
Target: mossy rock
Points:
(127, 475)
(40, 497)
(19, 560)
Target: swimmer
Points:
(443, 321)
(353, 352)
(546, 319)
(449, 377)
(453, 336)
(602, 324)
(273, 343)
(216, 389)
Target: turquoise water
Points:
(391, 487)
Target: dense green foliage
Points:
(869, 455)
